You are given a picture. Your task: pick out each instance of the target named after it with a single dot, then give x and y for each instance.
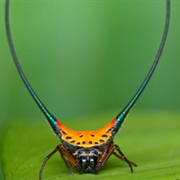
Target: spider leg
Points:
(108, 151)
(104, 156)
(123, 157)
(44, 162)
(65, 156)
(120, 157)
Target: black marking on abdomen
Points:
(105, 135)
(64, 132)
(68, 137)
(101, 140)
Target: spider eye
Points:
(92, 162)
(83, 163)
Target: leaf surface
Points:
(150, 140)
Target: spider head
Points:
(87, 159)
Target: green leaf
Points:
(150, 140)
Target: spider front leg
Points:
(108, 151)
(104, 156)
(123, 157)
(66, 156)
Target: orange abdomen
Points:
(86, 139)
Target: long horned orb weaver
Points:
(87, 151)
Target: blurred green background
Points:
(84, 57)
(88, 57)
